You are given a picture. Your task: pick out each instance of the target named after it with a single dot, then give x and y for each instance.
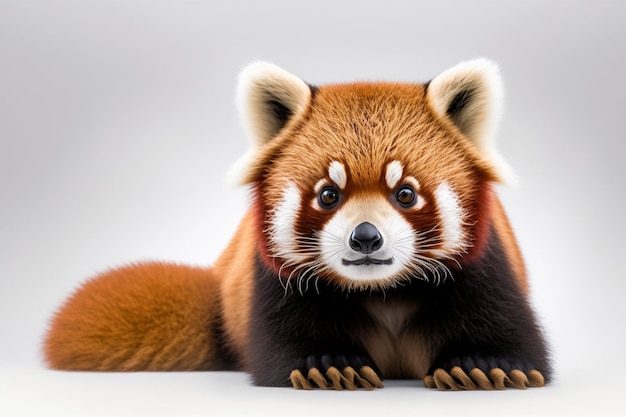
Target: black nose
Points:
(366, 238)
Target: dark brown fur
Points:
(157, 316)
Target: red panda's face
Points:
(367, 186)
(372, 236)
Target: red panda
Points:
(374, 247)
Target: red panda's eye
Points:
(329, 197)
(406, 196)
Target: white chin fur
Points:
(397, 237)
(371, 272)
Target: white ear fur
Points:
(267, 98)
(470, 94)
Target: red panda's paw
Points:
(336, 372)
(469, 373)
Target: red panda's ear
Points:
(470, 95)
(268, 97)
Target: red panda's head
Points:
(369, 184)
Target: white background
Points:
(118, 124)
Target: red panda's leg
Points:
(306, 339)
(489, 373)
(492, 339)
(335, 372)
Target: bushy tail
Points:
(142, 317)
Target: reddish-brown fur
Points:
(513, 253)
(235, 267)
(365, 126)
(159, 316)
(148, 316)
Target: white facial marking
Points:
(398, 241)
(282, 234)
(452, 219)
(337, 173)
(319, 185)
(414, 182)
(393, 174)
